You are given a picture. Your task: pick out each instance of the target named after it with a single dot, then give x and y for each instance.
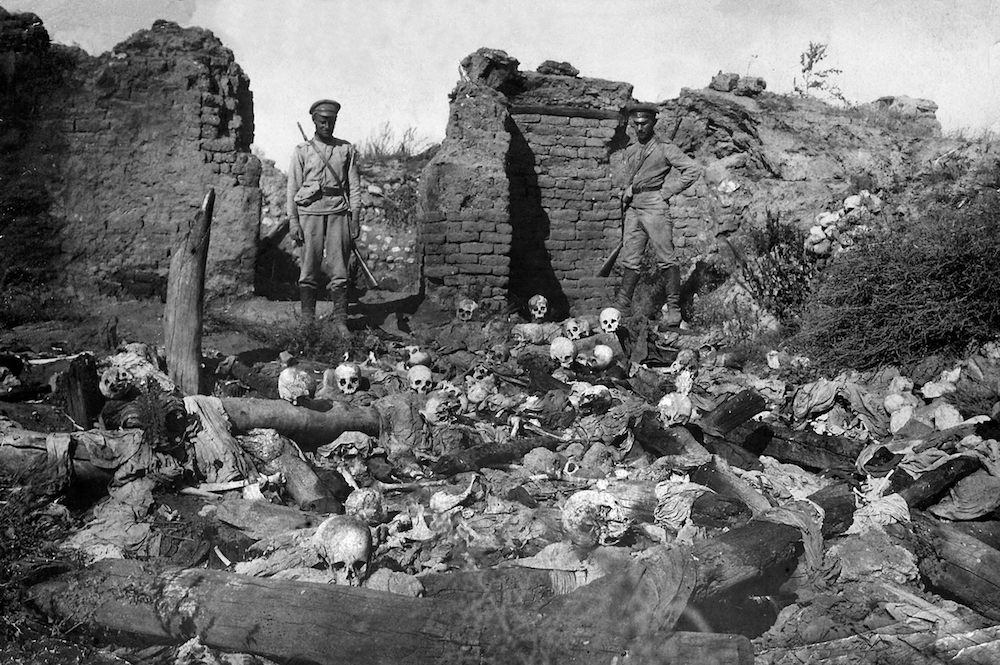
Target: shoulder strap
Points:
(644, 152)
(329, 167)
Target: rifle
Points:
(609, 263)
(369, 276)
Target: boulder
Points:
(750, 86)
(490, 67)
(557, 68)
(724, 82)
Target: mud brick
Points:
(477, 269)
(434, 227)
(527, 118)
(502, 271)
(592, 174)
(574, 141)
(495, 238)
(562, 264)
(494, 260)
(542, 139)
(579, 204)
(478, 226)
(462, 236)
(433, 259)
(545, 129)
(554, 120)
(440, 270)
(592, 142)
(562, 232)
(576, 245)
(462, 258)
(564, 215)
(571, 183)
(593, 215)
(611, 123)
(555, 245)
(432, 216)
(475, 248)
(433, 238)
(545, 181)
(562, 151)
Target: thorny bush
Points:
(924, 286)
(776, 268)
(31, 525)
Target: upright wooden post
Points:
(182, 319)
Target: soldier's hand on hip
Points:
(355, 224)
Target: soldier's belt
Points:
(647, 188)
(333, 191)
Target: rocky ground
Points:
(588, 472)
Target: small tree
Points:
(814, 78)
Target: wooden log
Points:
(79, 387)
(960, 564)
(720, 477)
(926, 489)
(805, 448)
(54, 459)
(304, 485)
(732, 413)
(310, 429)
(182, 316)
(305, 622)
(491, 454)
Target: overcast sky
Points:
(396, 60)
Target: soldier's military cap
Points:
(324, 107)
(642, 108)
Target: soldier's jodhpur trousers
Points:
(327, 245)
(647, 222)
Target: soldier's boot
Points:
(626, 288)
(670, 313)
(338, 317)
(307, 303)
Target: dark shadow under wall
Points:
(531, 270)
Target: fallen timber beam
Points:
(319, 623)
(310, 429)
(960, 564)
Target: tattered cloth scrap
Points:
(819, 396)
(674, 500)
(970, 498)
(567, 570)
(219, 456)
(119, 528)
(918, 456)
(807, 517)
(129, 457)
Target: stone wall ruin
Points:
(116, 153)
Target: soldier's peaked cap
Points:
(642, 108)
(324, 107)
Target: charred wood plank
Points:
(182, 316)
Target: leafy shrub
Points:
(927, 286)
(776, 267)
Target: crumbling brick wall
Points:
(562, 136)
(120, 150)
(465, 225)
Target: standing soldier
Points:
(324, 211)
(645, 200)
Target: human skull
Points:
(576, 328)
(562, 351)
(675, 408)
(348, 378)
(420, 379)
(528, 333)
(467, 309)
(585, 358)
(416, 356)
(538, 305)
(611, 318)
(115, 382)
(441, 407)
(592, 517)
(294, 382)
(366, 503)
(344, 542)
(480, 372)
(604, 355)
(498, 353)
